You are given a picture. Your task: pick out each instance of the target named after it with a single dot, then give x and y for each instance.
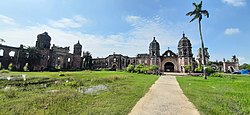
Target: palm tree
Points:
(197, 13)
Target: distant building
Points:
(168, 61)
(54, 57)
(60, 58)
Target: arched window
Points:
(12, 54)
(1, 52)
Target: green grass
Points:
(49, 93)
(227, 95)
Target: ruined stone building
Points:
(51, 57)
(60, 58)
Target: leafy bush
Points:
(198, 70)
(139, 68)
(25, 67)
(209, 70)
(71, 84)
(4, 71)
(131, 68)
(10, 66)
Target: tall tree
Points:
(197, 14)
(87, 64)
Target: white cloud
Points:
(243, 60)
(128, 43)
(231, 31)
(6, 20)
(235, 3)
(133, 19)
(75, 22)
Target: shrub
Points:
(71, 84)
(10, 66)
(4, 71)
(209, 70)
(25, 67)
(198, 70)
(138, 68)
(131, 68)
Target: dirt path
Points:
(165, 97)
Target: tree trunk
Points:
(203, 52)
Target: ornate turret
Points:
(43, 41)
(185, 47)
(78, 48)
(154, 48)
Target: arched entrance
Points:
(114, 67)
(169, 67)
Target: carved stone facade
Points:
(168, 61)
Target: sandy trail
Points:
(165, 97)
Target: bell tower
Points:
(185, 55)
(77, 59)
(154, 53)
(154, 48)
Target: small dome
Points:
(184, 42)
(44, 36)
(154, 44)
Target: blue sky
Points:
(128, 26)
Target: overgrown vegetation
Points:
(245, 66)
(209, 70)
(72, 92)
(140, 68)
(222, 94)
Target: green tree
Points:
(188, 68)
(33, 57)
(197, 13)
(87, 57)
(245, 66)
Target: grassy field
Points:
(226, 95)
(85, 92)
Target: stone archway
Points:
(169, 67)
(114, 67)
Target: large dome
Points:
(44, 36)
(184, 42)
(154, 44)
